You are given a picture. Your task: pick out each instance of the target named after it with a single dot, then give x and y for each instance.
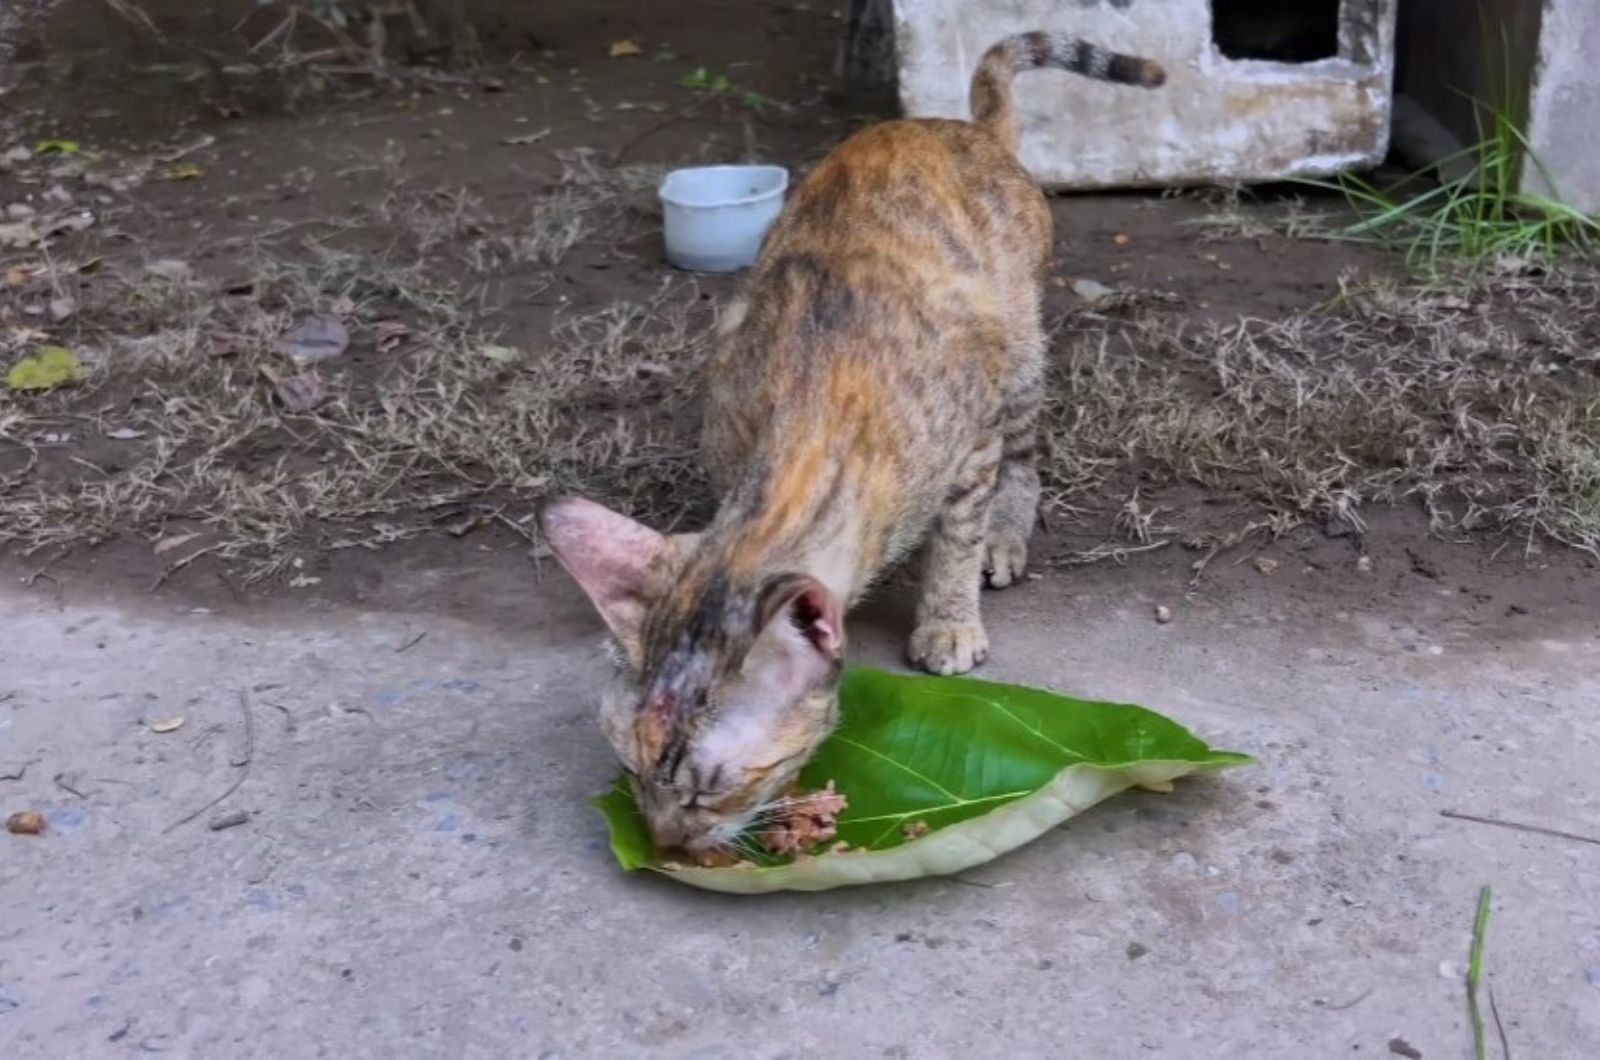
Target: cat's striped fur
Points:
(874, 388)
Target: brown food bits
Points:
(915, 829)
(807, 822)
(25, 822)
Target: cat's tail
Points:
(991, 85)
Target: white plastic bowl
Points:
(716, 216)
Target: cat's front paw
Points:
(1005, 559)
(949, 647)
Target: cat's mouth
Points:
(796, 825)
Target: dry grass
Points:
(1230, 218)
(1481, 405)
(1478, 404)
(586, 203)
(451, 429)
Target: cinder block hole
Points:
(1281, 31)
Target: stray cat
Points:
(875, 387)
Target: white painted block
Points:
(1216, 119)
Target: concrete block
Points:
(1564, 106)
(1220, 117)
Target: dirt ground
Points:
(418, 875)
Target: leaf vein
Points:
(940, 788)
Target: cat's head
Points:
(723, 689)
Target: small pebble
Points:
(1364, 565)
(25, 822)
(1163, 614)
(230, 820)
(1265, 565)
(1091, 290)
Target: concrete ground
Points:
(419, 875)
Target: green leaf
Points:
(56, 147)
(987, 767)
(630, 839)
(49, 368)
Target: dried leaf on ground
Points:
(170, 269)
(624, 47)
(182, 171)
(501, 354)
(525, 138)
(388, 334)
(51, 367)
(70, 222)
(316, 339)
(172, 541)
(19, 235)
(124, 434)
(302, 392)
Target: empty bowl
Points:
(716, 216)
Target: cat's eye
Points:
(704, 800)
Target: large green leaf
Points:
(988, 767)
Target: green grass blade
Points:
(1480, 931)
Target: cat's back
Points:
(934, 193)
(885, 295)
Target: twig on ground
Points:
(179, 565)
(1494, 1009)
(243, 765)
(1353, 1002)
(1099, 553)
(412, 643)
(61, 782)
(1519, 827)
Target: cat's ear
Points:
(607, 554)
(803, 621)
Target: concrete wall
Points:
(1216, 119)
(1564, 105)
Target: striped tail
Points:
(991, 85)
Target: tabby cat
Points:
(874, 388)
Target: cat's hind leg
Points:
(949, 637)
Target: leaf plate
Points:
(987, 767)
